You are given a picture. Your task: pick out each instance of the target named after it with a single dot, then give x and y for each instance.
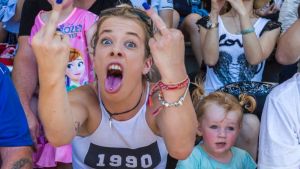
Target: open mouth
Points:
(114, 76)
(220, 144)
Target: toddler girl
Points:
(219, 118)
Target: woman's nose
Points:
(116, 51)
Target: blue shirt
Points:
(14, 129)
(7, 12)
(199, 159)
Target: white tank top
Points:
(126, 144)
(232, 65)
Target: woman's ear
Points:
(148, 65)
(199, 130)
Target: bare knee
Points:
(189, 23)
(250, 128)
(16, 157)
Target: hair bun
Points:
(248, 102)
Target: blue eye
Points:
(80, 63)
(230, 128)
(69, 66)
(106, 42)
(130, 44)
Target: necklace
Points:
(123, 112)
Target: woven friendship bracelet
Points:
(173, 86)
(247, 31)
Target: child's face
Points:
(219, 130)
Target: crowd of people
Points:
(104, 84)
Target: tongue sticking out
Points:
(112, 83)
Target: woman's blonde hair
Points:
(227, 101)
(127, 12)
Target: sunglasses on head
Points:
(135, 11)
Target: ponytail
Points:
(198, 92)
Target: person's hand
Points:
(239, 6)
(51, 49)
(167, 49)
(267, 10)
(216, 6)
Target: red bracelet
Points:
(180, 85)
(163, 86)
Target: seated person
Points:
(15, 139)
(163, 7)
(279, 138)
(219, 122)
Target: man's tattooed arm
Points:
(23, 163)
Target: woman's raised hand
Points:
(167, 48)
(51, 48)
(216, 6)
(239, 6)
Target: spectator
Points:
(235, 46)
(189, 28)
(219, 122)
(163, 7)
(93, 116)
(75, 23)
(287, 51)
(25, 75)
(279, 139)
(15, 140)
(10, 14)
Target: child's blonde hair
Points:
(225, 100)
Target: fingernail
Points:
(146, 6)
(59, 1)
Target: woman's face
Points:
(120, 55)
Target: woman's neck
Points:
(233, 13)
(131, 104)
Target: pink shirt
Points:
(79, 70)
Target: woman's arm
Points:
(61, 120)
(288, 51)
(177, 125)
(257, 49)
(209, 42)
(209, 37)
